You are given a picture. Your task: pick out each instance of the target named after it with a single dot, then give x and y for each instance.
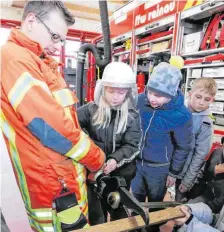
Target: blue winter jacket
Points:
(167, 133)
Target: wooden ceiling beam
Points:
(88, 17)
(85, 9)
(19, 4)
(70, 6)
(122, 2)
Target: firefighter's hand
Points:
(170, 181)
(183, 188)
(187, 212)
(110, 166)
(92, 176)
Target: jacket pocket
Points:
(62, 170)
(166, 146)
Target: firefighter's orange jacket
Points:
(41, 130)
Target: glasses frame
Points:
(53, 34)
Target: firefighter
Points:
(48, 150)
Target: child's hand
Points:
(183, 188)
(219, 168)
(170, 181)
(186, 210)
(110, 166)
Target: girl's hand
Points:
(110, 166)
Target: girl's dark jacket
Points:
(127, 144)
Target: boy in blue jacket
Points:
(167, 131)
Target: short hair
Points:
(42, 8)
(208, 84)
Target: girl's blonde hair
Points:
(102, 116)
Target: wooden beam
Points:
(19, 4)
(70, 6)
(136, 222)
(85, 9)
(122, 2)
(88, 17)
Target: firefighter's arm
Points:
(48, 115)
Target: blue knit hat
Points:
(165, 80)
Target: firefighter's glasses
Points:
(54, 36)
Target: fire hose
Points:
(90, 47)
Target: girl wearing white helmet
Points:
(114, 125)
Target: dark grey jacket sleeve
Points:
(183, 146)
(130, 146)
(84, 116)
(203, 143)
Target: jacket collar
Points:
(175, 102)
(206, 112)
(203, 113)
(22, 40)
(18, 37)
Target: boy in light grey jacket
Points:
(202, 94)
(206, 212)
(199, 217)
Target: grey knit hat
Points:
(165, 80)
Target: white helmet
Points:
(120, 75)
